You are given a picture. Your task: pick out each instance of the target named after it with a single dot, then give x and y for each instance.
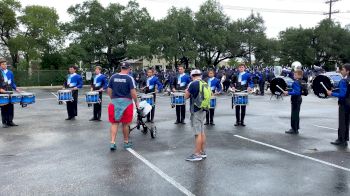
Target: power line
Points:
(330, 2)
(272, 10)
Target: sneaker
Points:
(127, 145)
(113, 147)
(194, 157)
(203, 155)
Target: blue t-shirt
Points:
(121, 85)
(193, 89)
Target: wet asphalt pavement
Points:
(47, 155)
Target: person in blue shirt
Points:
(74, 82)
(180, 83)
(151, 83)
(296, 101)
(197, 117)
(7, 84)
(122, 91)
(216, 88)
(344, 107)
(241, 82)
(100, 84)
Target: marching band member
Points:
(151, 83)
(7, 84)
(296, 101)
(74, 82)
(100, 84)
(344, 108)
(241, 82)
(216, 88)
(180, 83)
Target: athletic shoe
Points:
(194, 157)
(127, 145)
(113, 147)
(203, 155)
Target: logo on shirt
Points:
(119, 80)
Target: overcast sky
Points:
(275, 22)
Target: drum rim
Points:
(146, 96)
(64, 91)
(241, 94)
(27, 94)
(92, 93)
(178, 94)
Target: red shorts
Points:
(127, 115)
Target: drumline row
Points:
(12, 98)
(67, 95)
(178, 98)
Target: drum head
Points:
(281, 83)
(64, 91)
(146, 96)
(92, 93)
(318, 88)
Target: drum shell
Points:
(283, 82)
(92, 97)
(65, 95)
(240, 99)
(15, 98)
(149, 99)
(28, 98)
(213, 103)
(4, 99)
(178, 99)
(318, 89)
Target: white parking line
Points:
(161, 173)
(295, 154)
(325, 127)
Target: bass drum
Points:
(317, 87)
(284, 82)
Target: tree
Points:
(41, 31)
(266, 51)
(173, 37)
(211, 27)
(252, 31)
(109, 35)
(296, 46)
(331, 42)
(9, 27)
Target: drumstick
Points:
(280, 88)
(325, 88)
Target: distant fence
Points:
(40, 77)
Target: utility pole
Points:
(331, 2)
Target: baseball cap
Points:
(196, 72)
(125, 65)
(2, 60)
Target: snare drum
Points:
(15, 98)
(65, 95)
(240, 99)
(178, 99)
(28, 98)
(4, 99)
(149, 99)
(92, 97)
(212, 102)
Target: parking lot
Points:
(47, 155)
